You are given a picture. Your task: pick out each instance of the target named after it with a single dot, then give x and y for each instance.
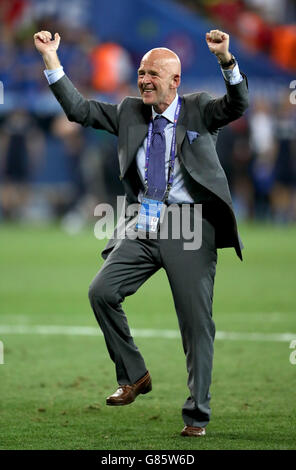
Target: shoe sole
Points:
(194, 435)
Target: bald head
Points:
(165, 57)
(159, 76)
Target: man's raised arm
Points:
(219, 112)
(77, 108)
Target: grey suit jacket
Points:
(200, 113)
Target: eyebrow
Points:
(151, 72)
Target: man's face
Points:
(156, 81)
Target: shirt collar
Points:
(169, 113)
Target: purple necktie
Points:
(156, 168)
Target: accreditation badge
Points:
(150, 215)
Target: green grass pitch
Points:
(53, 387)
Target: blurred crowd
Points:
(95, 66)
(258, 153)
(261, 25)
(53, 169)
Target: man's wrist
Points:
(232, 76)
(53, 76)
(227, 61)
(51, 61)
(225, 57)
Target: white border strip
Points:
(140, 333)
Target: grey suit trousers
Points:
(191, 276)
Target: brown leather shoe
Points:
(190, 431)
(126, 394)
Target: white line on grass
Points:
(140, 333)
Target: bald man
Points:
(159, 88)
(168, 160)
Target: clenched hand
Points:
(218, 43)
(48, 48)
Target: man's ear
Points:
(176, 80)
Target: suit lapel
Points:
(136, 134)
(181, 128)
(135, 138)
(180, 134)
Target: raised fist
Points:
(44, 44)
(218, 43)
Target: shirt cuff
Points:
(54, 75)
(232, 76)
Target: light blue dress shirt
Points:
(182, 187)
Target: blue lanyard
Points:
(173, 151)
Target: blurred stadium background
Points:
(52, 175)
(53, 169)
